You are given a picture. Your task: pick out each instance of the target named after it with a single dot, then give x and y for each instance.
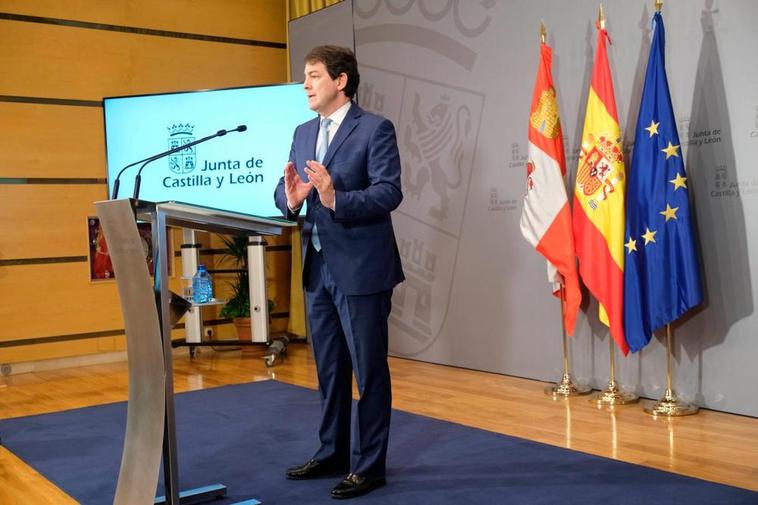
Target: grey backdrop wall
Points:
(326, 26)
(456, 79)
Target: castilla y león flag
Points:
(546, 217)
(598, 208)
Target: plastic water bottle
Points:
(202, 288)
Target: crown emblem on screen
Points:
(181, 162)
(181, 129)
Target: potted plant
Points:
(237, 308)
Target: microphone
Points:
(137, 180)
(220, 133)
(117, 182)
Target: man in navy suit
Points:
(345, 165)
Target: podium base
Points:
(198, 495)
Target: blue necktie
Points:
(322, 146)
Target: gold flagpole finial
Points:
(543, 32)
(658, 5)
(601, 17)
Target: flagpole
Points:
(613, 394)
(566, 386)
(670, 405)
(543, 32)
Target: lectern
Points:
(147, 309)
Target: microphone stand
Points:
(220, 133)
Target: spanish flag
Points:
(598, 209)
(546, 215)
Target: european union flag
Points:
(661, 273)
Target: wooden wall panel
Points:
(278, 279)
(57, 350)
(59, 141)
(225, 332)
(278, 326)
(263, 20)
(40, 140)
(278, 262)
(58, 299)
(49, 220)
(76, 63)
(46, 220)
(69, 348)
(55, 299)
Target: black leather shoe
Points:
(313, 469)
(356, 485)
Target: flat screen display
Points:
(237, 172)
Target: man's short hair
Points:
(338, 60)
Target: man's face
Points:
(324, 93)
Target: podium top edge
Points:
(172, 206)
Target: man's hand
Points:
(295, 189)
(321, 179)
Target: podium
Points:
(149, 315)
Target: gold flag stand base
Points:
(671, 406)
(567, 387)
(613, 395)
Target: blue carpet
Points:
(245, 435)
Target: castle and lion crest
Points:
(182, 162)
(545, 118)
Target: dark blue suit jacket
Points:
(357, 239)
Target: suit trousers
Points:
(349, 334)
